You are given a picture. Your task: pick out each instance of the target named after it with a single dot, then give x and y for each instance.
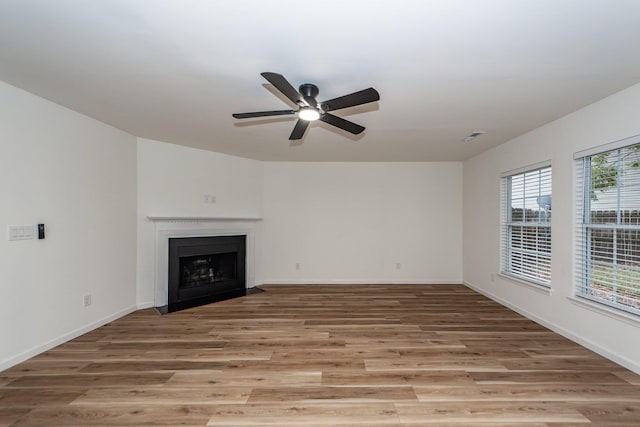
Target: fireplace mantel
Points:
(169, 226)
(182, 218)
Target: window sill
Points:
(604, 309)
(522, 282)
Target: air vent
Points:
(472, 136)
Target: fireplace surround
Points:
(169, 227)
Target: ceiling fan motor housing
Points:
(308, 90)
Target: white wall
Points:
(77, 176)
(341, 222)
(173, 181)
(353, 222)
(608, 120)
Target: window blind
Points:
(526, 230)
(608, 228)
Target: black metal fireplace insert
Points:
(203, 270)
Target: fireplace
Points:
(205, 269)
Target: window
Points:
(608, 234)
(526, 224)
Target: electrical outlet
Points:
(87, 300)
(398, 266)
(209, 198)
(297, 266)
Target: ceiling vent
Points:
(472, 136)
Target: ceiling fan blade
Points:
(342, 123)
(299, 129)
(280, 83)
(263, 114)
(357, 98)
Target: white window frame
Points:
(537, 270)
(585, 289)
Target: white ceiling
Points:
(175, 70)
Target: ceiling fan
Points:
(309, 109)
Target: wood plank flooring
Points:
(324, 355)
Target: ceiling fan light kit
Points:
(309, 114)
(309, 109)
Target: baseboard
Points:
(359, 282)
(143, 305)
(623, 361)
(12, 361)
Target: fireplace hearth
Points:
(203, 270)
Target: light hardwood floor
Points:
(439, 355)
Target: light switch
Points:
(21, 232)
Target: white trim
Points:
(545, 289)
(12, 361)
(178, 218)
(360, 282)
(144, 305)
(524, 169)
(621, 360)
(601, 308)
(621, 143)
